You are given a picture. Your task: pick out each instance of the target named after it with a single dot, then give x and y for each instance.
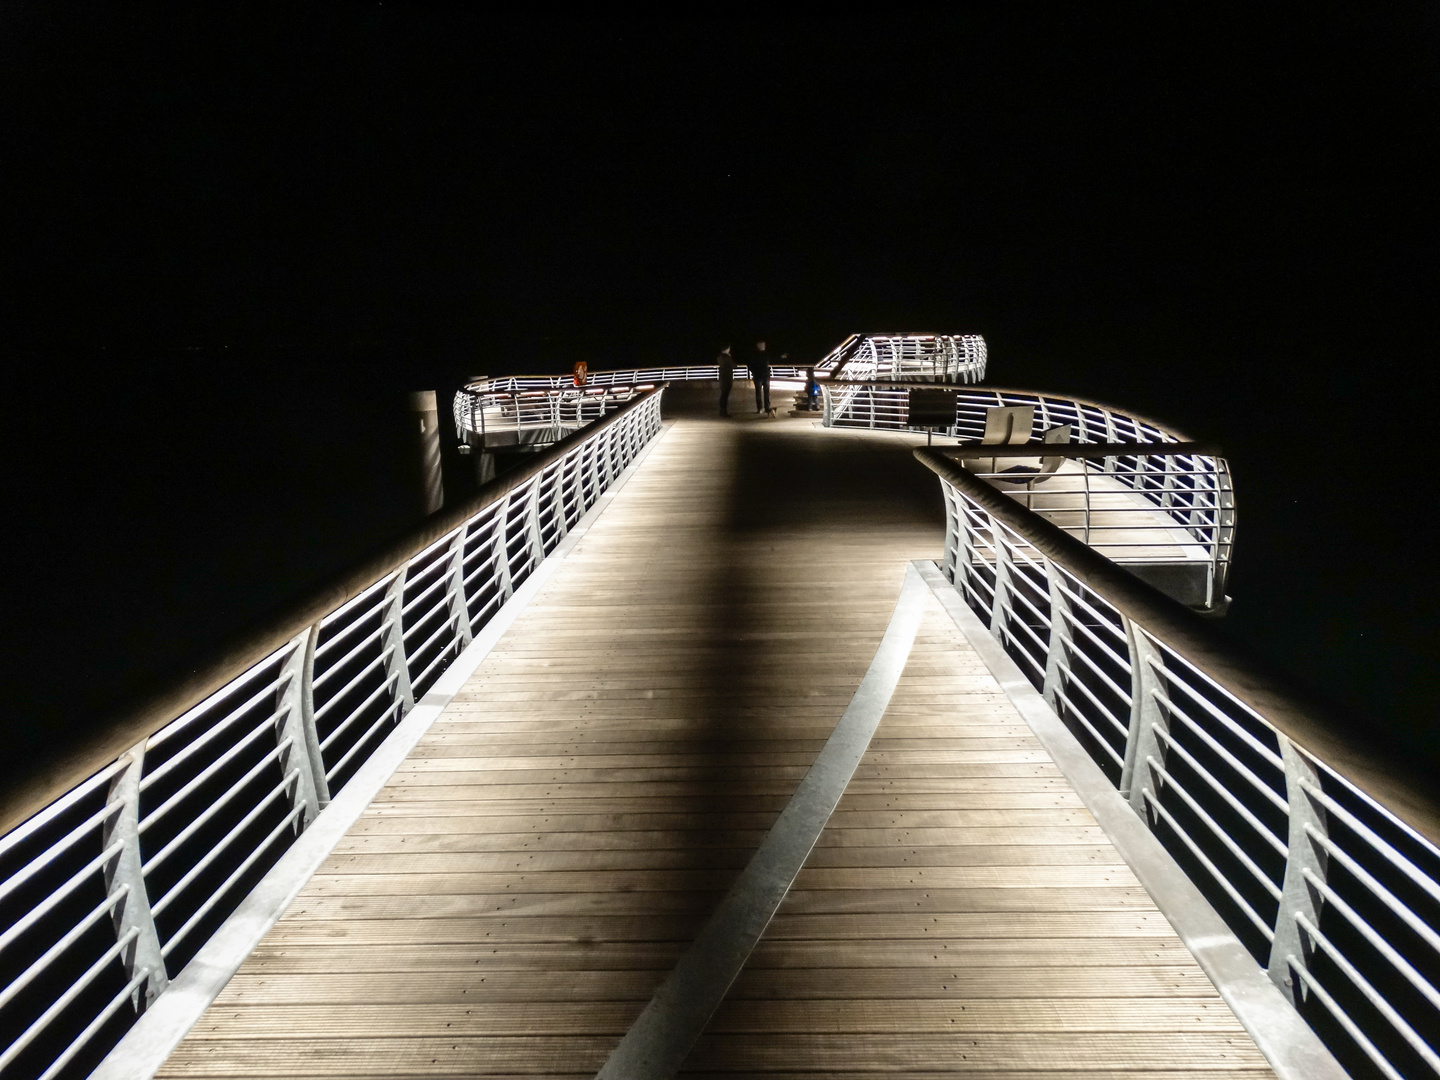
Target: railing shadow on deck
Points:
(1321, 857)
(119, 862)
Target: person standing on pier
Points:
(760, 372)
(726, 362)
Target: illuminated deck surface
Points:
(515, 895)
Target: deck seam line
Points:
(155, 1035)
(1289, 1044)
(658, 1042)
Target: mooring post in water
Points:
(425, 415)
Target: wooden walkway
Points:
(519, 890)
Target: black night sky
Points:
(233, 236)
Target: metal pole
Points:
(425, 415)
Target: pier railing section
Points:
(109, 891)
(1167, 514)
(1283, 826)
(942, 358)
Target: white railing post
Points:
(125, 884)
(455, 587)
(532, 523)
(1306, 867)
(397, 665)
(295, 722)
(1143, 746)
(1002, 579)
(500, 537)
(1056, 652)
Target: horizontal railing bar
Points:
(210, 735)
(1214, 826)
(383, 688)
(385, 717)
(1230, 759)
(214, 808)
(339, 695)
(99, 912)
(1422, 930)
(1079, 684)
(1377, 1000)
(16, 1048)
(970, 452)
(1214, 871)
(235, 830)
(1351, 1028)
(1090, 662)
(85, 1036)
(264, 727)
(339, 665)
(59, 806)
(1080, 715)
(45, 906)
(1378, 943)
(340, 635)
(235, 876)
(47, 857)
(1381, 845)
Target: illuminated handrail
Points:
(1193, 492)
(113, 886)
(946, 358)
(1322, 859)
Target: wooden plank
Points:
(517, 892)
(290, 1021)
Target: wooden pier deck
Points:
(516, 894)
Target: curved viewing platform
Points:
(737, 746)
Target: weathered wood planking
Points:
(561, 834)
(535, 868)
(1004, 1002)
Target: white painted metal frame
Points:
(1332, 893)
(111, 890)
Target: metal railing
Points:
(1322, 860)
(947, 358)
(526, 403)
(1167, 514)
(1191, 494)
(883, 405)
(113, 886)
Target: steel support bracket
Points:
(1306, 862)
(124, 874)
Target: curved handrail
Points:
(27, 792)
(1320, 854)
(948, 358)
(1201, 643)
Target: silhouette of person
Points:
(760, 373)
(726, 363)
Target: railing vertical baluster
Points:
(455, 587)
(1002, 579)
(123, 873)
(1142, 744)
(295, 721)
(1306, 858)
(501, 539)
(535, 553)
(397, 664)
(1060, 635)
